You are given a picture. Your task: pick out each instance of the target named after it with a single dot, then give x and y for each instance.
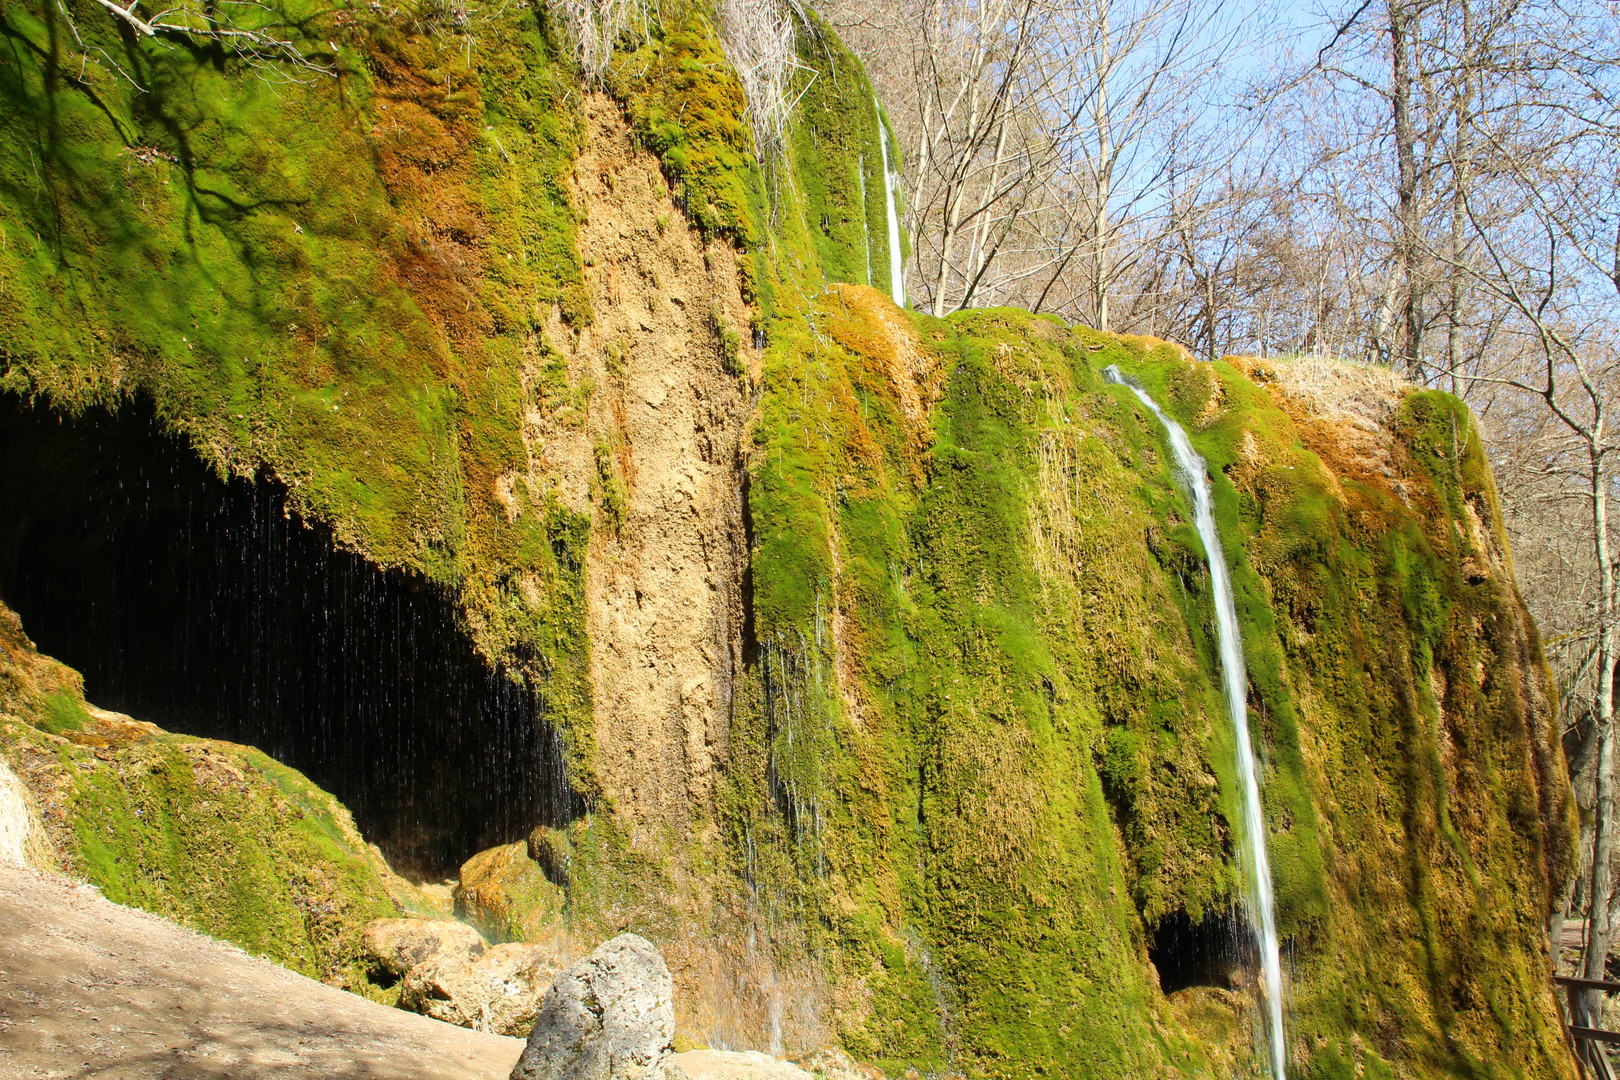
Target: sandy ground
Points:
(89, 988)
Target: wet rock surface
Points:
(609, 1017)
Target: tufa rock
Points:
(498, 991)
(16, 819)
(505, 894)
(833, 1063)
(395, 946)
(730, 1065)
(609, 1017)
(552, 849)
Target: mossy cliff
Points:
(881, 644)
(991, 722)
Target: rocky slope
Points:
(879, 646)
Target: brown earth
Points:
(656, 454)
(89, 988)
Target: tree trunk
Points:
(1598, 924)
(1461, 177)
(1408, 224)
(1104, 173)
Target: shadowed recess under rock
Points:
(204, 606)
(1214, 951)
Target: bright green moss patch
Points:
(686, 105)
(339, 278)
(63, 712)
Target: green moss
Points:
(1015, 761)
(338, 278)
(978, 751)
(686, 105)
(64, 712)
(837, 163)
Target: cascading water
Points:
(1234, 680)
(897, 265)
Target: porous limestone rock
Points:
(398, 945)
(15, 819)
(833, 1063)
(609, 1017)
(730, 1065)
(499, 990)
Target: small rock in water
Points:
(730, 1065)
(397, 945)
(609, 1017)
(499, 991)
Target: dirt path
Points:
(89, 988)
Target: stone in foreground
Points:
(397, 945)
(499, 991)
(609, 1017)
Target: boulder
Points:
(832, 1063)
(505, 894)
(16, 819)
(500, 990)
(553, 851)
(730, 1065)
(395, 946)
(609, 1017)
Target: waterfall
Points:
(897, 266)
(1234, 680)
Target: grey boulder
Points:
(609, 1017)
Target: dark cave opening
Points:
(204, 606)
(1210, 952)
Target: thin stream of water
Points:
(897, 265)
(1234, 680)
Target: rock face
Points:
(609, 1017)
(498, 990)
(398, 945)
(15, 820)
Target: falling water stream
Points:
(897, 265)
(1234, 679)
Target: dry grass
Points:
(1363, 394)
(595, 27)
(760, 39)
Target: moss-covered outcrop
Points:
(214, 835)
(940, 750)
(993, 753)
